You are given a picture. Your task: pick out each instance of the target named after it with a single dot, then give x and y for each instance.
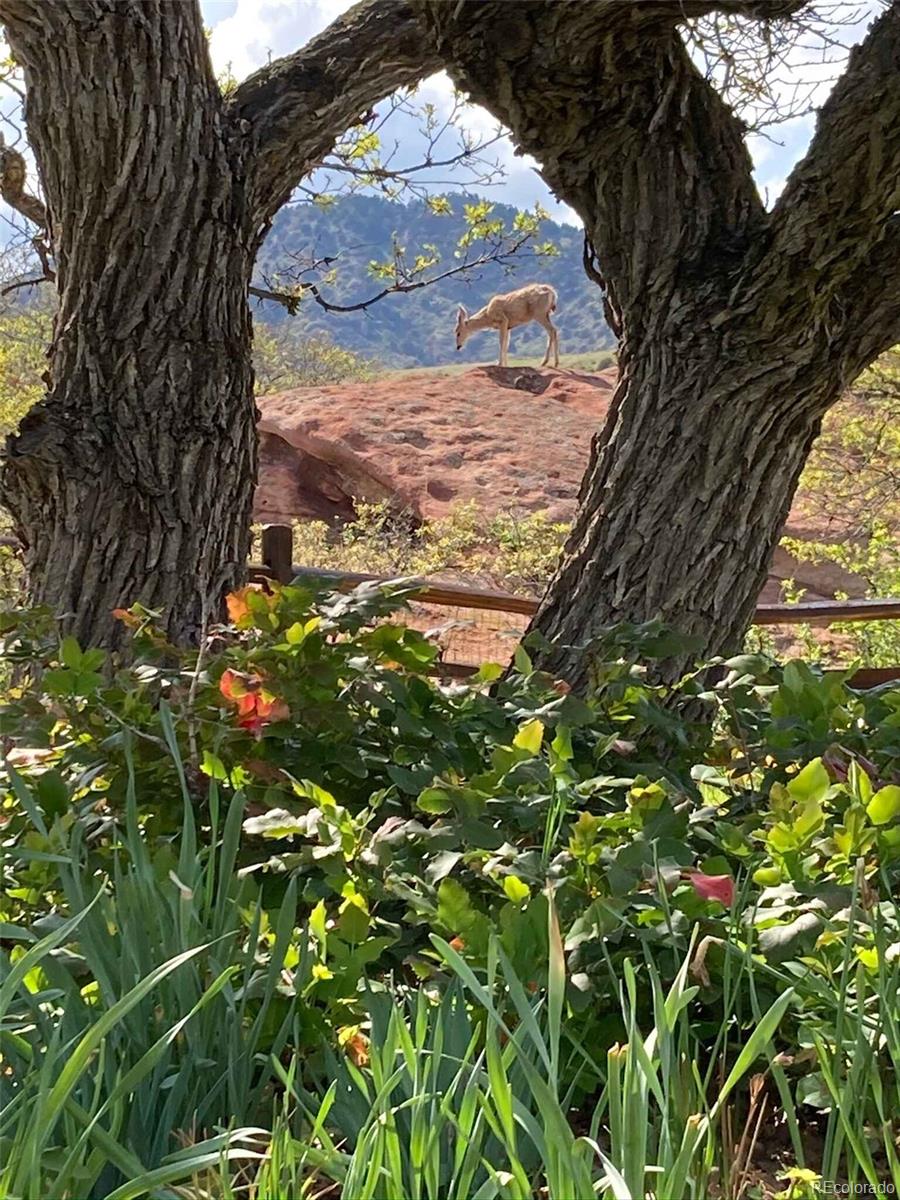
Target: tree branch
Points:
(22, 283)
(13, 173)
(291, 300)
(297, 107)
(627, 130)
(832, 218)
(288, 300)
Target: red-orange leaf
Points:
(713, 887)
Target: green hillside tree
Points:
(738, 327)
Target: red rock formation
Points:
(512, 438)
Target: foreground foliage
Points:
(294, 902)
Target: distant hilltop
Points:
(417, 329)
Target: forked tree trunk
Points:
(684, 500)
(738, 327)
(132, 480)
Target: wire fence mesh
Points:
(468, 637)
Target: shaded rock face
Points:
(508, 438)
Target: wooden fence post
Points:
(278, 551)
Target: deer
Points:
(532, 303)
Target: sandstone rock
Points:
(508, 438)
(513, 438)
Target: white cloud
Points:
(258, 30)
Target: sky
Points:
(248, 33)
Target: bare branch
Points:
(360, 160)
(404, 283)
(13, 173)
(756, 64)
(21, 283)
(626, 128)
(288, 300)
(296, 108)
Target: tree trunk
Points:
(132, 480)
(738, 327)
(684, 500)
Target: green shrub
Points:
(512, 552)
(307, 807)
(403, 807)
(284, 358)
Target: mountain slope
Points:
(417, 329)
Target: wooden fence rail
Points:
(276, 564)
(277, 547)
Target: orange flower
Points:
(256, 707)
(127, 617)
(236, 602)
(358, 1050)
(457, 944)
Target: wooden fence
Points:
(277, 546)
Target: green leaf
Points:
(530, 737)
(434, 800)
(52, 793)
(562, 744)
(516, 890)
(353, 921)
(811, 784)
(61, 682)
(767, 876)
(455, 910)
(884, 805)
(441, 865)
(782, 942)
(70, 653)
(523, 663)
(317, 919)
(487, 673)
(213, 766)
(276, 823)
(407, 780)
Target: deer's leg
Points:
(504, 344)
(552, 341)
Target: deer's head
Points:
(462, 331)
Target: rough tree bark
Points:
(738, 328)
(133, 479)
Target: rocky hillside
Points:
(514, 439)
(417, 329)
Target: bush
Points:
(284, 359)
(514, 553)
(308, 808)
